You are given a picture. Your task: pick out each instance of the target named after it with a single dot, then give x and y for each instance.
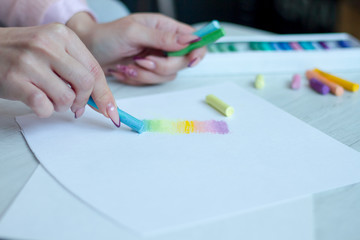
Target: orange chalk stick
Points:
(334, 88)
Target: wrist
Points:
(82, 24)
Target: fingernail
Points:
(195, 40)
(185, 39)
(193, 62)
(113, 114)
(131, 72)
(79, 112)
(126, 70)
(145, 63)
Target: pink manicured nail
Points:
(79, 112)
(193, 62)
(131, 72)
(127, 70)
(145, 63)
(113, 114)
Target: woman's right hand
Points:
(50, 69)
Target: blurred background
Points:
(278, 16)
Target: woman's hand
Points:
(132, 47)
(50, 69)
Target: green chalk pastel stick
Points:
(205, 40)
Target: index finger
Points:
(101, 92)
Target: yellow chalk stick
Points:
(219, 105)
(259, 81)
(350, 86)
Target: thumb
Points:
(164, 40)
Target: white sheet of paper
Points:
(155, 182)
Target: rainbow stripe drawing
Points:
(185, 126)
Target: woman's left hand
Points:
(132, 48)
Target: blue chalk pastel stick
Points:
(211, 27)
(274, 46)
(284, 46)
(344, 44)
(307, 45)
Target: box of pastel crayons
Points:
(280, 54)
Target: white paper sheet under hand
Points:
(155, 182)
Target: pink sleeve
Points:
(23, 13)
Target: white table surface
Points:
(338, 117)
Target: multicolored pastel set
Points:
(272, 54)
(280, 46)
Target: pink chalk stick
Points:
(296, 82)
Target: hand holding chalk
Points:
(135, 46)
(55, 76)
(209, 34)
